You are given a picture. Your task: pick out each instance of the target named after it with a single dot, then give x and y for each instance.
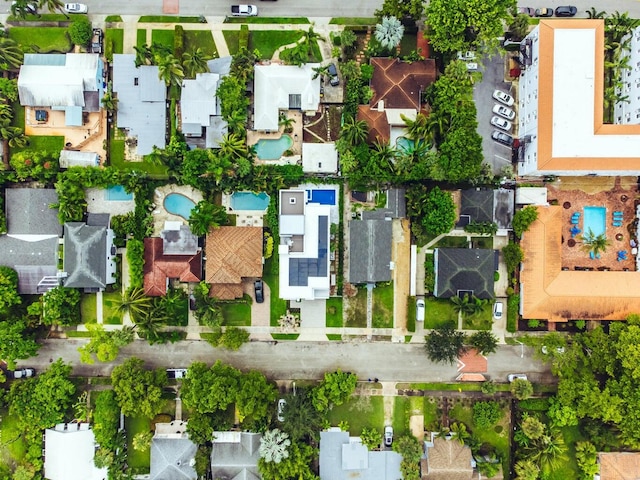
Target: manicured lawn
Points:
(401, 414)
(408, 43)
(356, 315)
(352, 21)
(200, 39)
(464, 387)
(438, 312)
(411, 314)
(141, 37)
(18, 115)
(296, 20)
(116, 37)
(482, 242)
(334, 312)
(41, 40)
(110, 313)
(163, 37)
(42, 143)
(137, 459)
(452, 242)
(283, 336)
(431, 413)
(116, 155)
(236, 314)
(113, 18)
(278, 305)
(268, 41)
(168, 19)
(43, 17)
(359, 411)
(232, 38)
(88, 308)
(12, 447)
(116, 159)
(383, 306)
(481, 320)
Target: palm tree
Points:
(526, 470)
(418, 128)
(322, 70)
(144, 56)
(236, 123)
(205, 216)
(150, 323)
(549, 451)
(389, 32)
(195, 62)
(355, 131)
(22, 8)
(594, 243)
(136, 303)
(384, 155)
(459, 432)
(53, 5)
(232, 146)
(593, 13)
(286, 122)
(311, 37)
(170, 70)
(11, 55)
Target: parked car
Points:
(566, 11)
(503, 97)
(503, 111)
(192, 302)
(334, 80)
(544, 12)
(501, 123)
(502, 138)
(176, 373)
(516, 376)
(388, 435)
(75, 8)
(527, 11)
(244, 10)
(497, 310)
(420, 310)
(545, 350)
(281, 403)
(96, 41)
(472, 66)
(467, 56)
(258, 288)
(24, 373)
(29, 8)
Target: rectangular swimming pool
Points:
(117, 193)
(595, 219)
(323, 197)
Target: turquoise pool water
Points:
(268, 149)
(117, 193)
(178, 204)
(595, 219)
(249, 201)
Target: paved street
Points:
(299, 360)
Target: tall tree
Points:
(274, 446)
(170, 70)
(335, 389)
(195, 62)
(15, 342)
(210, 389)
(138, 390)
(11, 55)
(389, 32)
(484, 341)
(135, 302)
(205, 216)
(53, 6)
(444, 344)
(255, 396)
(355, 131)
(8, 289)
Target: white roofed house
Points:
(200, 109)
(68, 453)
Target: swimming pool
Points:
(117, 193)
(249, 201)
(323, 197)
(178, 204)
(595, 219)
(272, 149)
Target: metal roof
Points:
(69, 452)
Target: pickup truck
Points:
(96, 41)
(244, 10)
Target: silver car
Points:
(75, 8)
(501, 123)
(503, 97)
(503, 111)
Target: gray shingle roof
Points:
(300, 269)
(233, 460)
(469, 269)
(488, 206)
(85, 255)
(503, 207)
(369, 250)
(172, 458)
(28, 211)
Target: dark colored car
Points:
(502, 138)
(97, 41)
(527, 11)
(566, 11)
(258, 287)
(333, 74)
(544, 12)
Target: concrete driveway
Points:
(492, 68)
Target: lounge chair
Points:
(618, 213)
(575, 221)
(617, 224)
(592, 256)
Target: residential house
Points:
(283, 87)
(561, 105)
(141, 103)
(89, 254)
(461, 271)
(550, 292)
(173, 255)
(619, 465)
(69, 449)
(233, 255)
(343, 457)
(398, 87)
(173, 455)
(235, 455)
(487, 206)
(304, 247)
(30, 245)
(72, 83)
(531, 196)
(319, 158)
(447, 459)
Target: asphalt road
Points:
(299, 360)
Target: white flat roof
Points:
(319, 158)
(69, 454)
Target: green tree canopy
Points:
(335, 389)
(80, 31)
(15, 342)
(484, 341)
(105, 344)
(8, 289)
(106, 419)
(255, 396)
(521, 388)
(138, 390)
(444, 344)
(523, 219)
(61, 306)
(207, 390)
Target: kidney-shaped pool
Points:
(178, 204)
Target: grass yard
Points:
(482, 242)
(464, 387)
(116, 159)
(383, 306)
(236, 314)
(18, 115)
(438, 312)
(353, 21)
(401, 414)
(334, 312)
(268, 41)
(41, 40)
(12, 446)
(42, 143)
(163, 37)
(110, 313)
(411, 314)
(359, 411)
(43, 17)
(88, 308)
(232, 38)
(569, 468)
(432, 415)
(141, 37)
(113, 18)
(452, 242)
(284, 336)
(170, 19)
(356, 314)
(334, 337)
(136, 458)
(278, 305)
(278, 20)
(408, 44)
(202, 39)
(116, 37)
(479, 321)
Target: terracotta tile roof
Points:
(159, 267)
(377, 121)
(233, 253)
(448, 460)
(549, 293)
(400, 83)
(472, 362)
(619, 466)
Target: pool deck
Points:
(244, 218)
(160, 214)
(253, 136)
(98, 203)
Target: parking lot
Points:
(492, 68)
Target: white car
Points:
(545, 350)
(24, 373)
(503, 97)
(176, 373)
(75, 8)
(467, 56)
(388, 435)
(516, 376)
(420, 310)
(503, 111)
(281, 403)
(501, 123)
(472, 66)
(497, 310)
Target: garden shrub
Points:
(80, 31)
(486, 414)
(534, 404)
(243, 39)
(135, 257)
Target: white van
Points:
(420, 309)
